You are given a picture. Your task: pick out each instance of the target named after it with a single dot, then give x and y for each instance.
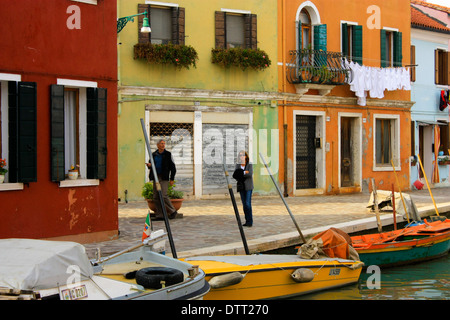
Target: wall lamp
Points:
(121, 22)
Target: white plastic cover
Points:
(39, 264)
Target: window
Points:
(444, 138)
(387, 137)
(235, 34)
(236, 29)
(78, 130)
(161, 25)
(391, 48)
(167, 24)
(19, 133)
(87, 1)
(71, 128)
(442, 69)
(304, 30)
(352, 41)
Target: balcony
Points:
(316, 69)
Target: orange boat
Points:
(420, 242)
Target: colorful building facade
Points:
(58, 82)
(205, 80)
(430, 42)
(335, 136)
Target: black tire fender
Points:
(151, 277)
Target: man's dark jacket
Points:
(168, 166)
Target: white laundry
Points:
(374, 81)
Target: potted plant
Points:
(175, 196)
(3, 171)
(73, 172)
(443, 160)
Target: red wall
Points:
(36, 43)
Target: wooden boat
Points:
(420, 242)
(248, 277)
(61, 270)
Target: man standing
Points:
(165, 169)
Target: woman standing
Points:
(243, 173)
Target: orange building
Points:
(344, 78)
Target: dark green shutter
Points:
(357, 44)
(383, 56)
(57, 132)
(320, 37)
(345, 40)
(22, 123)
(13, 136)
(300, 36)
(96, 133)
(398, 55)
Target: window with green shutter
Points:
(352, 42)
(391, 48)
(84, 145)
(22, 131)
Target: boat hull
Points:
(406, 246)
(405, 254)
(272, 280)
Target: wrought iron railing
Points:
(317, 66)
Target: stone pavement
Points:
(212, 223)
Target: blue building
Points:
(430, 38)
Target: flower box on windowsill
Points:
(180, 56)
(242, 58)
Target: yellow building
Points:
(206, 80)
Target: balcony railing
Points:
(317, 67)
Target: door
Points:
(347, 163)
(305, 157)
(221, 144)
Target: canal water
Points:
(423, 281)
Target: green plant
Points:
(180, 56)
(322, 74)
(241, 58)
(2, 166)
(147, 191)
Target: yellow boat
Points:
(249, 277)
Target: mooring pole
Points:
(158, 188)
(236, 211)
(282, 198)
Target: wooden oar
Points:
(158, 188)
(282, 198)
(429, 189)
(400, 190)
(375, 203)
(236, 211)
(393, 208)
